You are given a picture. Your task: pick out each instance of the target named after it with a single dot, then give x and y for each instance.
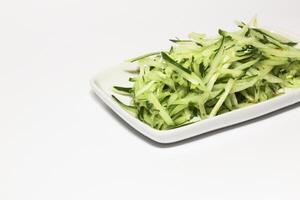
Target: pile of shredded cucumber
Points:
(202, 77)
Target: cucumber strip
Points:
(228, 103)
(184, 72)
(243, 105)
(186, 100)
(234, 100)
(215, 62)
(212, 81)
(177, 109)
(247, 96)
(241, 85)
(143, 56)
(123, 90)
(232, 72)
(283, 53)
(131, 109)
(144, 88)
(184, 117)
(162, 112)
(276, 37)
(178, 40)
(228, 88)
(272, 79)
(247, 64)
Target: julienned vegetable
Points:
(203, 77)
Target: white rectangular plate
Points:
(102, 85)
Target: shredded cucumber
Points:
(202, 77)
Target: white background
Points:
(58, 141)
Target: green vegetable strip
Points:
(215, 63)
(234, 100)
(216, 108)
(143, 56)
(162, 112)
(144, 88)
(131, 109)
(276, 36)
(186, 73)
(123, 90)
